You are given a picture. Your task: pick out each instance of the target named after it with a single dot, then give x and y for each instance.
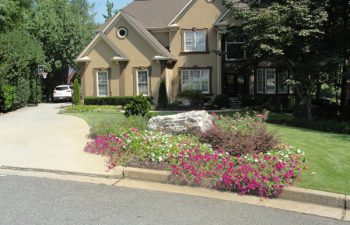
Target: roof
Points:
(155, 13)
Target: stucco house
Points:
(176, 41)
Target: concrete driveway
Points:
(38, 137)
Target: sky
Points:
(100, 8)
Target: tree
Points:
(64, 28)
(162, 96)
(12, 13)
(19, 56)
(290, 33)
(76, 93)
(110, 10)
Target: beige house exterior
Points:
(172, 40)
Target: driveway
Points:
(38, 137)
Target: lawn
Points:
(328, 157)
(328, 153)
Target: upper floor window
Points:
(194, 41)
(234, 44)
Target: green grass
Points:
(328, 154)
(97, 117)
(328, 157)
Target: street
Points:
(35, 201)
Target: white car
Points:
(63, 92)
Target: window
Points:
(282, 85)
(142, 82)
(267, 81)
(195, 80)
(122, 32)
(194, 41)
(260, 81)
(270, 78)
(234, 44)
(102, 83)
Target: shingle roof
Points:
(155, 13)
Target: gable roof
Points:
(100, 36)
(156, 13)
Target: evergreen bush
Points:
(76, 93)
(162, 96)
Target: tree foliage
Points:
(110, 10)
(293, 34)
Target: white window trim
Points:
(137, 81)
(234, 59)
(257, 80)
(189, 73)
(274, 90)
(195, 40)
(97, 84)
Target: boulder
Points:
(182, 122)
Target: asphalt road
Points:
(35, 201)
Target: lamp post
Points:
(41, 72)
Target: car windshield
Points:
(61, 88)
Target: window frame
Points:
(194, 31)
(137, 82)
(234, 43)
(262, 72)
(97, 83)
(208, 72)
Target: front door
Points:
(233, 84)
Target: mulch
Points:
(146, 164)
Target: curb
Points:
(117, 172)
(295, 194)
(289, 193)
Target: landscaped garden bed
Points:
(237, 153)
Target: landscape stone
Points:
(182, 122)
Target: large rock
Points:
(182, 122)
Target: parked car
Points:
(63, 92)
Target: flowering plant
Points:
(265, 173)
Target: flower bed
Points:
(245, 157)
(264, 173)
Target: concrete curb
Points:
(295, 194)
(290, 193)
(117, 173)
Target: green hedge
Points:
(115, 100)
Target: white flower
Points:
(298, 151)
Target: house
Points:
(176, 41)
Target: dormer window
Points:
(195, 41)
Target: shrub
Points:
(196, 97)
(162, 96)
(265, 174)
(239, 135)
(7, 97)
(76, 93)
(139, 106)
(222, 101)
(115, 100)
(105, 127)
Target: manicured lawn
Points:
(95, 117)
(328, 154)
(328, 157)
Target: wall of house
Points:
(101, 60)
(201, 15)
(162, 37)
(140, 53)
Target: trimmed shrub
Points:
(115, 100)
(162, 96)
(7, 97)
(222, 101)
(196, 97)
(138, 106)
(76, 93)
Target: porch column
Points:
(218, 63)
